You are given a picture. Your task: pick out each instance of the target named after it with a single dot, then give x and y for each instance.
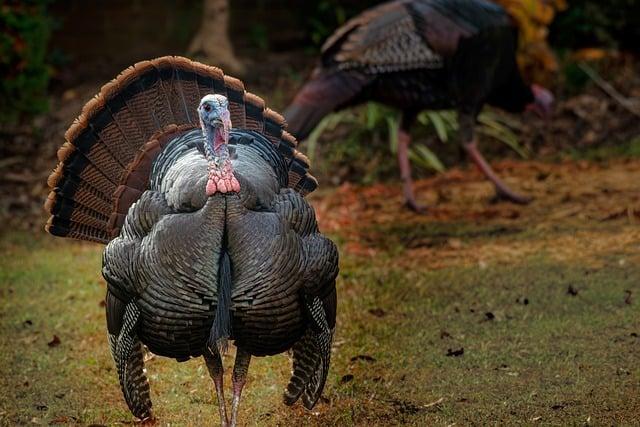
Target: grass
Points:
(483, 317)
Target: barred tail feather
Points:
(312, 354)
(128, 354)
(305, 360)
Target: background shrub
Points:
(23, 50)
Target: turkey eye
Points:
(207, 107)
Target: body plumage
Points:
(209, 237)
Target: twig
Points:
(609, 89)
(437, 402)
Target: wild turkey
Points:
(197, 190)
(421, 54)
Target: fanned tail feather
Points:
(105, 162)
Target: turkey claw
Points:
(510, 196)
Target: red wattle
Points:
(211, 187)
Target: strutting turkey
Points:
(208, 235)
(422, 54)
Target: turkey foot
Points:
(405, 173)
(238, 379)
(502, 190)
(214, 365)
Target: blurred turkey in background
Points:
(57, 53)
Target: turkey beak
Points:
(217, 123)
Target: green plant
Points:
(23, 66)
(588, 23)
(533, 17)
(259, 36)
(375, 121)
(361, 141)
(328, 16)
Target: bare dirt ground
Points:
(574, 204)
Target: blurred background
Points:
(477, 311)
(56, 54)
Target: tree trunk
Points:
(211, 43)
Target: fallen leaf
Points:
(346, 378)
(589, 54)
(378, 312)
(455, 243)
(54, 342)
(455, 353)
(364, 357)
(63, 419)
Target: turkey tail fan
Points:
(324, 93)
(110, 134)
(105, 162)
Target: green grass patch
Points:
(533, 342)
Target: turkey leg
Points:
(466, 122)
(502, 190)
(239, 378)
(404, 138)
(214, 365)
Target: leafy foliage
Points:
(375, 122)
(363, 133)
(534, 17)
(614, 23)
(23, 42)
(327, 15)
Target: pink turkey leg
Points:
(405, 172)
(502, 190)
